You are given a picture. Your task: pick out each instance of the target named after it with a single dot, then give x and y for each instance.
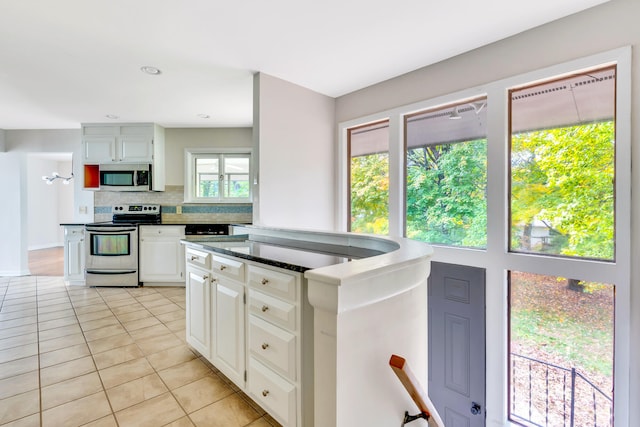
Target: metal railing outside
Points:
(546, 395)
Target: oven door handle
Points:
(102, 230)
(104, 272)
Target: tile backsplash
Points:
(168, 200)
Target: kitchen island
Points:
(324, 313)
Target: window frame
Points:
(190, 179)
(496, 258)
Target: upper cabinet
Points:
(123, 143)
(117, 143)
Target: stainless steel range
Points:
(112, 247)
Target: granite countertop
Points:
(280, 253)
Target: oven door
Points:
(112, 256)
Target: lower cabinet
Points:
(259, 319)
(198, 309)
(74, 253)
(162, 255)
(228, 323)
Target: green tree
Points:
(564, 179)
(445, 193)
(370, 194)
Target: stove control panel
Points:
(136, 209)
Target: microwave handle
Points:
(135, 178)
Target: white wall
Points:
(13, 224)
(177, 139)
(48, 205)
(294, 130)
(606, 27)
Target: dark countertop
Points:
(280, 253)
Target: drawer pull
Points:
(193, 257)
(265, 346)
(265, 393)
(264, 281)
(205, 277)
(265, 308)
(222, 267)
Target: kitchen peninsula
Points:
(324, 312)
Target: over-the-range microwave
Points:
(125, 177)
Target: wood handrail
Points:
(413, 387)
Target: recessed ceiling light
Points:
(150, 70)
(204, 116)
(112, 116)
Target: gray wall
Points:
(294, 133)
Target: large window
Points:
(369, 178)
(218, 177)
(562, 166)
(446, 175)
(535, 171)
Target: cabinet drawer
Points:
(273, 282)
(198, 258)
(272, 309)
(228, 267)
(161, 231)
(273, 345)
(273, 392)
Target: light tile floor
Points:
(102, 357)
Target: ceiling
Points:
(67, 62)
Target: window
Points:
(562, 166)
(446, 175)
(217, 177)
(560, 351)
(369, 178)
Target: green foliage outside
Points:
(561, 179)
(370, 194)
(209, 188)
(446, 194)
(564, 178)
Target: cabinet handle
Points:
(265, 393)
(193, 257)
(265, 308)
(265, 346)
(205, 277)
(264, 281)
(222, 267)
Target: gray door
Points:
(457, 344)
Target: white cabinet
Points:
(129, 143)
(162, 260)
(74, 253)
(259, 317)
(228, 328)
(133, 143)
(198, 310)
(274, 341)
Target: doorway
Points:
(49, 204)
(456, 309)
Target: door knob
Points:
(475, 408)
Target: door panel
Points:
(457, 343)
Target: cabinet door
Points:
(99, 149)
(198, 310)
(229, 345)
(161, 259)
(136, 148)
(74, 253)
